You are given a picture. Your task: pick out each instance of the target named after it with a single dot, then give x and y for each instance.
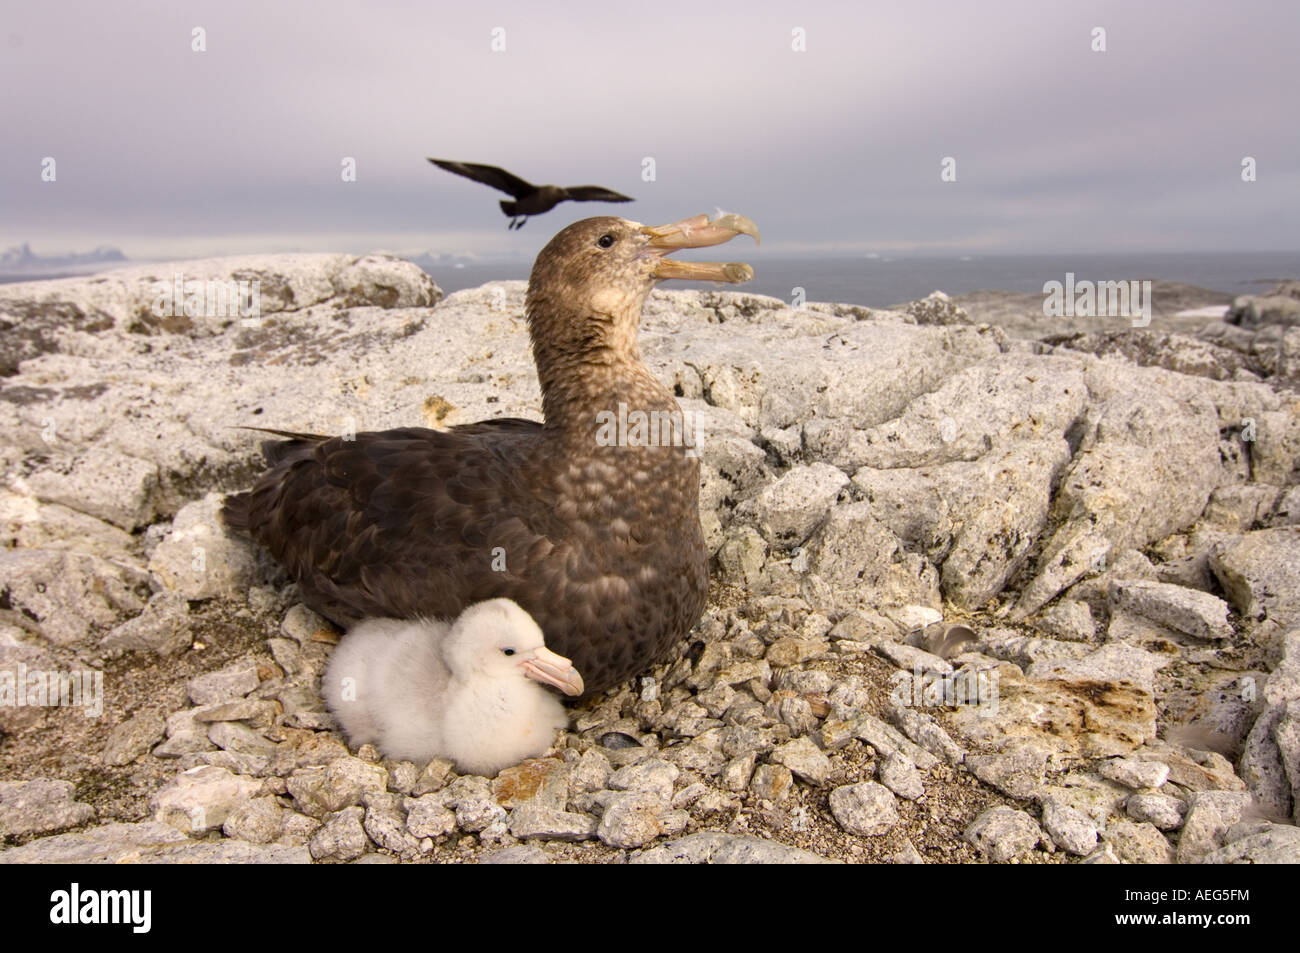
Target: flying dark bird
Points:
(598, 539)
(529, 199)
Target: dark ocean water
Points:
(877, 282)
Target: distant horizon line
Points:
(473, 259)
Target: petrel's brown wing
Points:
(489, 175)
(411, 522)
(594, 193)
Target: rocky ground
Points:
(1113, 514)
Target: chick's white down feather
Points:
(420, 689)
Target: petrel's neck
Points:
(589, 364)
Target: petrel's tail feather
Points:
(234, 511)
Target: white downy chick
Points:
(469, 691)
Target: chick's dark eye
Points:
(605, 241)
(508, 651)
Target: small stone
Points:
(1209, 816)
(907, 854)
(1003, 833)
(260, 821)
(533, 820)
(234, 681)
(476, 810)
(518, 854)
(710, 847)
(325, 791)
(240, 739)
(634, 819)
(1273, 844)
(1070, 829)
(201, 798)
(302, 625)
(298, 829)
(805, 759)
(1135, 773)
(1198, 614)
(1018, 773)
(402, 776)
(428, 816)
(1136, 843)
(40, 806)
(256, 712)
(1163, 811)
(689, 795)
(542, 781)
(433, 777)
(653, 776)
(910, 658)
(899, 775)
(772, 782)
(867, 808)
(735, 776)
(385, 824)
(1070, 620)
(133, 737)
(341, 837)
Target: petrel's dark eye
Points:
(605, 241)
(508, 651)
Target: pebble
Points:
(385, 823)
(546, 823)
(240, 739)
(899, 775)
(321, 791)
(133, 738)
(1138, 843)
(234, 681)
(40, 806)
(1070, 829)
(259, 821)
(805, 759)
(200, 799)
(1163, 811)
(1003, 833)
(1135, 773)
(653, 776)
(635, 818)
(708, 847)
(867, 808)
(341, 837)
(429, 816)
(772, 782)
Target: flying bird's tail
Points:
(509, 207)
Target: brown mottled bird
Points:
(599, 540)
(529, 199)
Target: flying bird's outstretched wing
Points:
(489, 175)
(594, 193)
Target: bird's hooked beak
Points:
(551, 669)
(699, 232)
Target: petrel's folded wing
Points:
(488, 175)
(594, 193)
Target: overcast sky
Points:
(167, 152)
